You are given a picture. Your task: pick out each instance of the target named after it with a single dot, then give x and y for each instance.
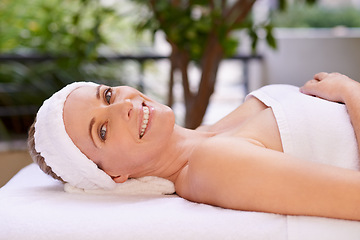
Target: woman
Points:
(249, 160)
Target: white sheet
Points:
(33, 206)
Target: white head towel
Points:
(57, 148)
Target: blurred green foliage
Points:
(52, 26)
(301, 15)
(73, 30)
(189, 24)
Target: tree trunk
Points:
(179, 61)
(196, 108)
(196, 102)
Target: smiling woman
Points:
(114, 120)
(282, 151)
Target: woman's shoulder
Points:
(205, 164)
(246, 110)
(219, 149)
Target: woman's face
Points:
(118, 128)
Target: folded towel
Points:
(311, 128)
(133, 186)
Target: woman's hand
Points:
(334, 87)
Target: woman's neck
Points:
(176, 155)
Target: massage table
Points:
(34, 206)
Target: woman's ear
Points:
(120, 178)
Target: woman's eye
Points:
(102, 133)
(108, 94)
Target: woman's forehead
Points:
(79, 102)
(78, 112)
(83, 92)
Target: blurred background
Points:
(199, 57)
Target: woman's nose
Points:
(123, 107)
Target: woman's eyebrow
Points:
(90, 131)
(98, 91)
(93, 119)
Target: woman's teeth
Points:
(145, 120)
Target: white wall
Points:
(302, 53)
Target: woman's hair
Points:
(36, 157)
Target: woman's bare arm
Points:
(337, 87)
(237, 174)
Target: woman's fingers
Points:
(309, 87)
(320, 76)
(330, 86)
(312, 86)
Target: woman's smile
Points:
(144, 119)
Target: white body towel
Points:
(311, 128)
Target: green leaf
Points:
(254, 39)
(311, 2)
(270, 39)
(230, 46)
(282, 5)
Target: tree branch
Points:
(230, 11)
(184, 63)
(238, 12)
(223, 7)
(180, 60)
(209, 66)
(212, 5)
(245, 11)
(176, 3)
(152, 4)
(170, 101)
